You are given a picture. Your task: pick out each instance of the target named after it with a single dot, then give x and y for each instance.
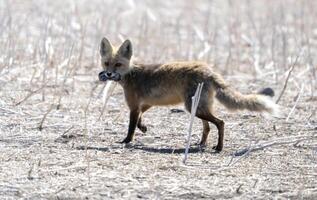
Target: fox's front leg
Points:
(134, 117)
(140, 125)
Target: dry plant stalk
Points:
(86, 130)
(287, 78)
(31, 93)
(66, 63)
(53, 105)
(195, 101)
(297, 100)
(61, 92)
(282, 141)
(45, 115)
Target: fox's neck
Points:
(136, 71)
(128, 77)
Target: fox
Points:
(148, 85)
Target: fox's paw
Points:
(142, 128)
(217, 148)
(126, 140)
(203, 143)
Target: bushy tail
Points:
(234, 100)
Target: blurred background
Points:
(255, 37)
(255, 42)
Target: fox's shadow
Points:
(161, 150)
(168, 150)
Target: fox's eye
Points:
(118, 65)
(106, 63)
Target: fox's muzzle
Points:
(104, 76)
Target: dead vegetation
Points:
(58, 140)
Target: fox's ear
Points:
(125, 49)
(105, 47)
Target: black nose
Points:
(102, 76)
(109, 74)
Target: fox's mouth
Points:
(105, 76)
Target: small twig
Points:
(263, 146)
(44, 117)
(70, 128)
(52, 105)
(91, 96)
(86, 150)
(287, 78)
(297, 100)
(66, 63)
(30, 177)
(311, 115)
(86, 130)
(33, 75)
(238, 189)
(270, 144)
(242, 153)
(31, 93)
(64, 169)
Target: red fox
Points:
(173, 83)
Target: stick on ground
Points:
(195, 101)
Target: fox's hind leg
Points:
(204, 113)
(206, 130)
(140, 125)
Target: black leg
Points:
(134, 116)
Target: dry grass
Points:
(52, 144)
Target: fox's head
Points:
(115, 62)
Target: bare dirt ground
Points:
(57, 143)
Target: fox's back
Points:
(163, 84)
